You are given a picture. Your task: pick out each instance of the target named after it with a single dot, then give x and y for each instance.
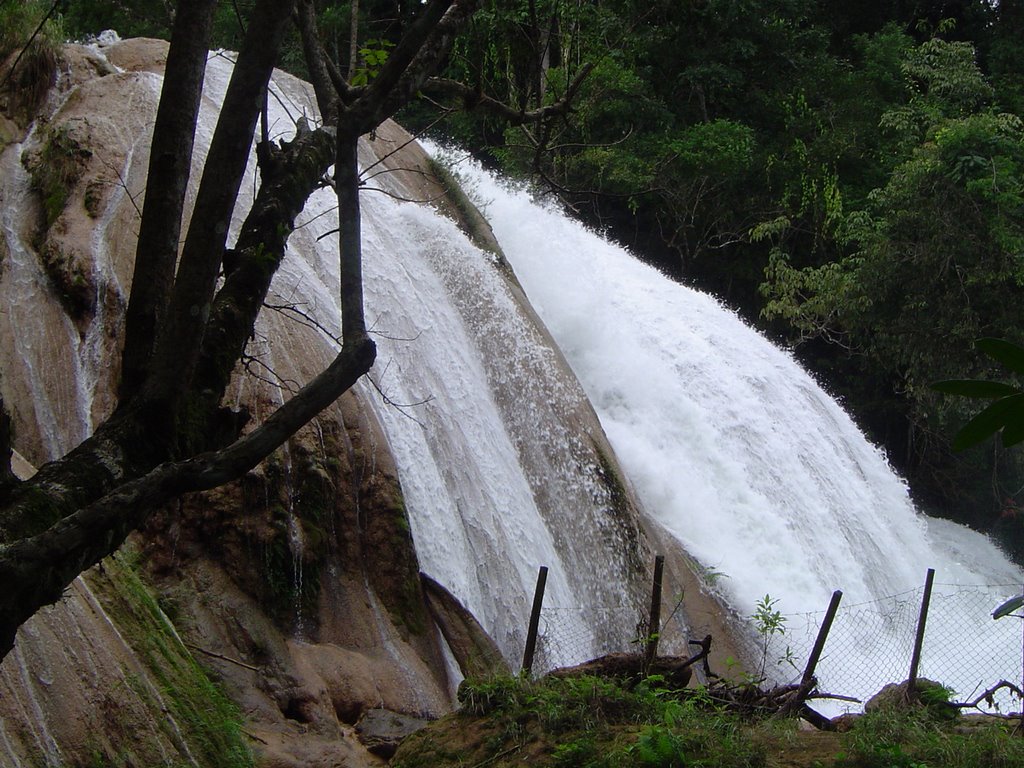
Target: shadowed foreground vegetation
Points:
(590, 722)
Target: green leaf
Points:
(1013, 432)
(990, 421)
(1007, 353)
(971, 388)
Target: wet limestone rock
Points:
(477, 655)
(930, 695)
(382, 730)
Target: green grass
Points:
(198, 712)
(918, 739)
(584, 722)
(589, 722)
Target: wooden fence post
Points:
(819, 642)
(922, 619)
(654, 623)
(531, 633)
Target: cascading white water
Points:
(498, 476)
(434, 303)
(731, 446)
(735, 449)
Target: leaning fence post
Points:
(819, 642)
(531, 633)
(922, 619)
(654, 624)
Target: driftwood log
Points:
(631, 668)
(746, 699)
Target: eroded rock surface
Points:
(296, 589)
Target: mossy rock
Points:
(55, 170)
(926, 694)
(72, 280)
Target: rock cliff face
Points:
(296, 590)
(261, 619)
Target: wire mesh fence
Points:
(869, 645)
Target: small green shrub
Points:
(658, 747)
(36, 71)
(915, 738)
(600, 723)
(581, 751)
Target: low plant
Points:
(30, 42)
(769, 624)
(602, 723)
(914, 737)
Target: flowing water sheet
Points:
(761, 475)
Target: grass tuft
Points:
(34, 59)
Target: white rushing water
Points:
(497, 477)
(736, 450)
(729, 444)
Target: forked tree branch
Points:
(169, 164)
(177, 353)
(471, 99)
(42, 566)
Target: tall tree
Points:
(186, 335)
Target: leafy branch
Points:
(1005, 414)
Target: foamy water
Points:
(736, 450)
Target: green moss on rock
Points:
(55, 171)
(200, 721)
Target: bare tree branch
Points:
(440, 87)
(170, 161)
(42, 566)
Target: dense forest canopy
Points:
(848, 175)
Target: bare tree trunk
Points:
(353, 40)
(177, 347)
(170, 163)
(346, 180)
(316, 59)
(7, 478)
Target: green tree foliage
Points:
(145, 18)
(846, 173)
(933, 259)
(1005, 415)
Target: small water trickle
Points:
(297, 547)
(296, 541)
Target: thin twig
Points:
(492, 758)
(223, 658)
(46, 18)
(253, 736)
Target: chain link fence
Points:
(869, 645)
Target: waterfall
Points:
(731, 447)
(499, 467)
(496, 475)
(735, 450)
